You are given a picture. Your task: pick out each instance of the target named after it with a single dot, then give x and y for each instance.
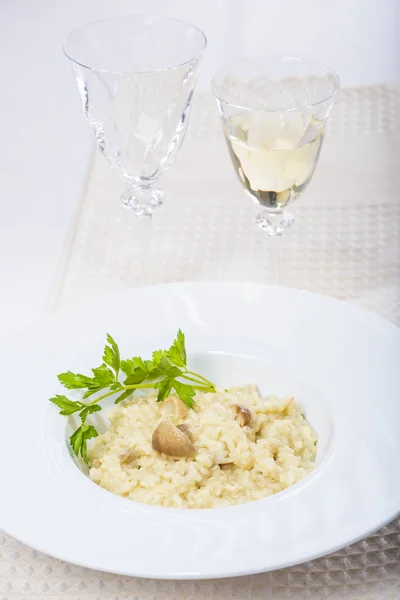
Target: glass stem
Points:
(274, 253)
(143, 229)
(274, 224)
(142, 200)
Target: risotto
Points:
(233, 447)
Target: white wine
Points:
(274, 156)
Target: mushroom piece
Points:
(243, 415)
(226, 466)
(174, 407)
(128, 459)
(185, 429)
(171, 441)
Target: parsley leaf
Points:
(102, 376)
(74, 381)
(135, 369)
(173, 372)
(139, 370)
(76, 441)
(111, 356)
(177, 352)
(164, 387)
(68, 407)
(164, 365)
(185, 392)
(157, 356)
(88, 410)
(79, 440)
(154, 374)
(136, 378)
(123, 396)
(134, 364)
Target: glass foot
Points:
(142, 200)
(274, 223)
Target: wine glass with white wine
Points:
(274, 112)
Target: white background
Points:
(45, 145)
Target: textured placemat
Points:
(345, 243)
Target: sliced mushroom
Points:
(185, 429)
(174, 407)
(243, 415)
(128, 459)
(226, 466)
(171, 441)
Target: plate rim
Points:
(81, 304)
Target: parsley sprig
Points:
(166, 372)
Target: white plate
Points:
(341, 364)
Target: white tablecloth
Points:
(345, 243)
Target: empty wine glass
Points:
(136, 76)
(274, 112)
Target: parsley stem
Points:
(203, 388)
(137, 386)
(123, 387)
(194, 379)
(198, 381)
(102, 398)
(198, 377)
